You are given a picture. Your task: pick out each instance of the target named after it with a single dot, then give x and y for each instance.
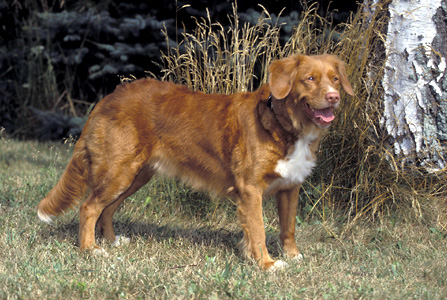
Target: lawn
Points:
(185, 246)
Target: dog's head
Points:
(311, 83)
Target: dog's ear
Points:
(282, 74)
(344, 78)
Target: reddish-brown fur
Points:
(243, 145)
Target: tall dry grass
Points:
(357, 172)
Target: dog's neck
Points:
(282, 115)
(274, 118)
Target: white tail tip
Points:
(44, 217)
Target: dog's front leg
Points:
(250, 215)
(287, 204)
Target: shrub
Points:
(64, 59)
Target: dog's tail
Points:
(71, 186)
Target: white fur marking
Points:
(299, 257)
(278, 265)
(100, 252)
(297, 166)
(44, 217)
(331, 89)
(120, 240)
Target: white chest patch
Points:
(298, 165)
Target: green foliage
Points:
(65, 58)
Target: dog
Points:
(245, 145)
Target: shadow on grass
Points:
(199, 234)
(196, 235)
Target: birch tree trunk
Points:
(415, 82)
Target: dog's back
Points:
(179, 132)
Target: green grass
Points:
(184, 246)
(367, 230)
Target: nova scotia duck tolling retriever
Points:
(246, 146)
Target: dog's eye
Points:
(310, 78)
(335, 79)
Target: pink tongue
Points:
(325, 114)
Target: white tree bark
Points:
(415, 82)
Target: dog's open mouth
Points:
(321, 117)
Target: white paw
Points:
(299, 257)
(100, 252)
(278, 265)
(121, 240)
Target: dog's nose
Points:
(333, 97)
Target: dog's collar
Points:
(283, 118)
(280, 127)
(270, 103)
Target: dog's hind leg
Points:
(105, 223)
(89, 213)
(111, 182)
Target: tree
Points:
(415, 82)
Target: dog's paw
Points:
(98, 251)
(278, 266)
(120, 240)
(298, 258)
